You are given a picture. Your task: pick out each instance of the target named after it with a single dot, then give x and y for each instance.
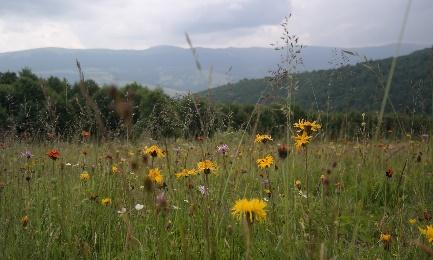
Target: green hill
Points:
(358, 87)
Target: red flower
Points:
(389, 172)
(85, 134)
(282, 151)
(54, 154)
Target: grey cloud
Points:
(36, 8)
(222, 23)
(252, 13)
(367, 22)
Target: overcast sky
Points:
(139, 24)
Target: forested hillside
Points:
(349, 88)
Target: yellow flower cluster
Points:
(206, 166)
(154, 151)
(301, 140)
(114, 169)
(186, 173)
(386, 238)
(266, 162)
(307, 126)
(304, 130)
(106, 201)
(156, 176)
(252, 209)
(263, 138)
(84, 176)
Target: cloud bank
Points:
(139, 24)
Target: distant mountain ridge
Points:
(173, 68)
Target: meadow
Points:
(314, 199)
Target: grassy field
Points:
(329, 200)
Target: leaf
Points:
(350, 52)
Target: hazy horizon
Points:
(423, 45)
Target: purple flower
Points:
(161, 198)
(223, 148)
(203, 190)
(27, 154)
(161, 202)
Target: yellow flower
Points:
(186, 173)
(385, 238)
(154, 151)
(252, 209)
(114, 169)
(263, 138)
(156, 176)
(106, 201)
(85, 176)
(266, 162)
(206, 166)
(427, 232)
(412, 221)
(301, 140)
(307, 126)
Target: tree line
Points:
(37, 108)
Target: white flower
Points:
(121, 211)
(68, 164)
(175, 207)
(302, 194)
(139, 206)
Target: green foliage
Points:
(52, 107)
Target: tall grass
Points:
(344, 218)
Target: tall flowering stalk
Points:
(53, 154)
(264, 164)
(27, 155)
(249, 211)
(207, 167)
(304, 134)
